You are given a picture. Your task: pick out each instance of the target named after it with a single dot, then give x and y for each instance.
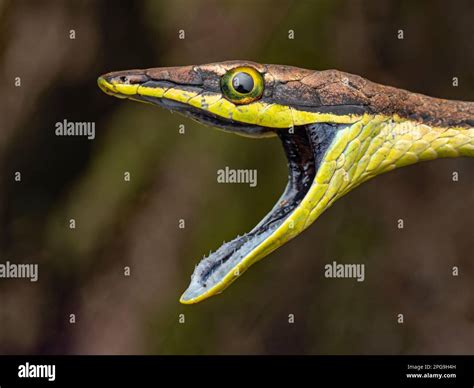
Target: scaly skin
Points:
(370, 147)
(349, 130)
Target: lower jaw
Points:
(221, 268)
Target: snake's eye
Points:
(242, 85)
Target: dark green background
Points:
(174, 176)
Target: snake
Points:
(337, 131)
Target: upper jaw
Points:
(139, 85)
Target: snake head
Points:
(337, 130)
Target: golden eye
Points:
(242, 85)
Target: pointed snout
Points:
(122, 82)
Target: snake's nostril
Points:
(129, 79)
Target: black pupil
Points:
(242, 82)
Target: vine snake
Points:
(337, 130)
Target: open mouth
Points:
(229, 259)
(303, 147)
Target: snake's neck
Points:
(389, 143)
(378, 144)
(335, 88)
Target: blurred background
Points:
(173, 176)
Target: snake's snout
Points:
(128, 77)
(122, 83)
